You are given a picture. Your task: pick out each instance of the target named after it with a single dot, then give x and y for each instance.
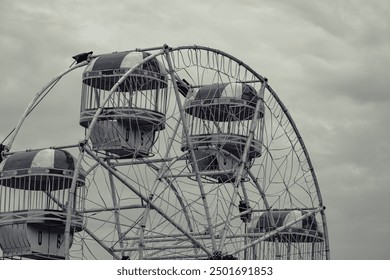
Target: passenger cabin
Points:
(134, 113)
(219, 117)
(305, 230)
(34, 192)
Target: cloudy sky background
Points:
(327, 60)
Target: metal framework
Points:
(219, 170)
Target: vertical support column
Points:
(70, 206)
(161, 172)
(116, 209)
(241, 167)
(171, 72)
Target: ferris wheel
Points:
(188, 153)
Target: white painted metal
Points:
(172, 205)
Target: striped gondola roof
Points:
(109, 67)
(238, 91)
(48, 161)
(219, 102)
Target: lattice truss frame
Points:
(257, 199)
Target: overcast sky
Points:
(327, 60)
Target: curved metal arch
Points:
(311, 168)
(35, 99)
